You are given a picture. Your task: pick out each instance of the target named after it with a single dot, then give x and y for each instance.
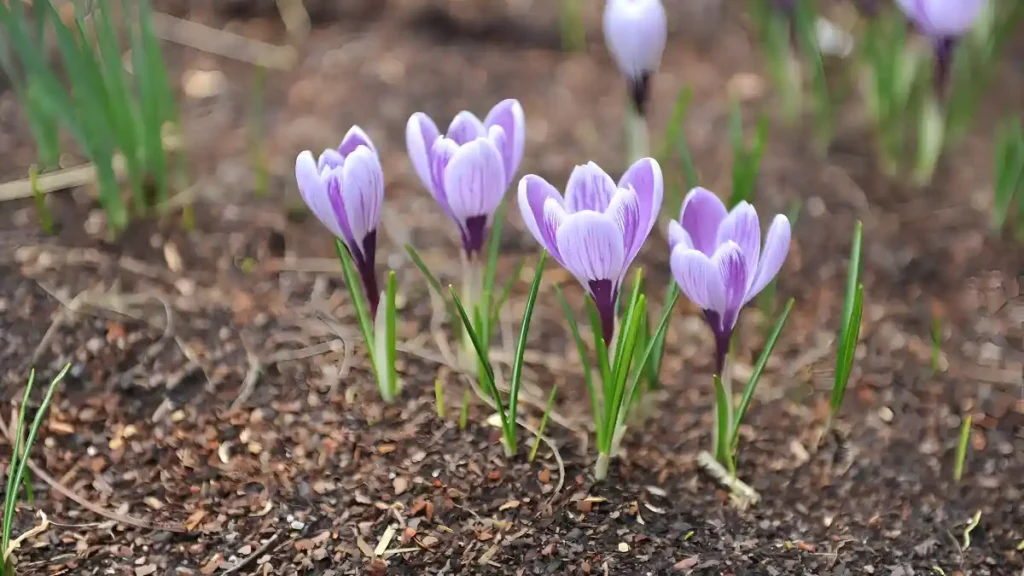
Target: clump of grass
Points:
(849, 331)
(17, 470)
(116, 113)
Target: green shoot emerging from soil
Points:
(378, 330)
(507, 414)
(39, 198)
(849, 330)
(961, 449)
(439, 398)
(23, 440)
(464, 411)
(116, 115)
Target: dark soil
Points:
(220, 397)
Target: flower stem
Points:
(471, 284)
(637, 138)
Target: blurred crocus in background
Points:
(469, 168)
(344, 188)
(944, 22)
(635, 32)
(719, 263)
(598, 228)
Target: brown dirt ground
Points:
(218, 397)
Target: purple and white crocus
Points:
(718, 260)
(597, 229)
(944, 22)
(344, 188)
(469, 168)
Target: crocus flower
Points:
(469, 169)
(344, 188)
(597, 229)
(944, 22)
(718, 261)
(635, 32)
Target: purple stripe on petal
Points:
(363, 192)
(335, 180)
(314, 192)
(474, 180)
(441, 154)
(509, 115)
(699, 279)
(354, 138)
(776, 247)
(678, 237)
(420, 135)
(589, 188)
(645, 177)
(701, 216)
(591, 247)
(732, 268)
(742, 227)
(625, 210)
(465, 128)
(533, 193)
(330, 158)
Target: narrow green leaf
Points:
(486, 371)
(10, 494)
(391, 333)
(848, 348)
(624, 357)
(961, 449)
(506, 291)
(852, 278)
(581, 349)
(543, 423)
(355, 290)
(439, 398)
(600, 349)
(432, 281)
(652, 347)
(755, 377)
(524, 331)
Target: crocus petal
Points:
(362, 190)
(635, 32)
(591, 247)
(498, 138)
(420, 135)
(776, 247)
(474, 180)
(314, 191)
(678, 237)
(701, 216)
(645, 177)
(534, 192)
(698, 278)
(625, 211)
(509, 115)
(330, 158)
(334, 180)
(354, 138)
(589, 188)
(465, 128)
(742, 227)
(942, 17)
(732, 268)
(440, 155)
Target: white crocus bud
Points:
(635, 32)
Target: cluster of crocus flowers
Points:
(944, 22)
(719, 262)
(596, 230)
(470, 167)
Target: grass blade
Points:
(524, 331)
(619, 405)
(588, 377)
(391, 352)
(844, 359)
(961, 449)
(762, 361)
(355, 289)
(439, 398)
(10, 494)
(543, 423)
(658, 336)
(432, 281)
